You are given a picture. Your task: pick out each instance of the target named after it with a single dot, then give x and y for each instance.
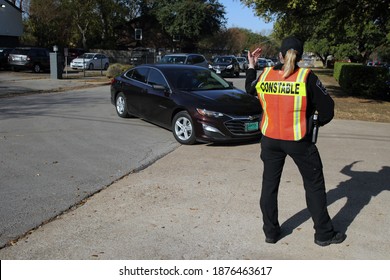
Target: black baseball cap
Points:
(291, 42)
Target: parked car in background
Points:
(90, 61)
(306, 63)
(29, 58)
(4, 52)
(226, 66)
(261, 63)
(185, 58)
(195, 103)
(270, 63)
(243, 61)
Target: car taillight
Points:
(112, 81)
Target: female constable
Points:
(289, 96)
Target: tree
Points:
(190, 20)
(238, 41)
(346, 28)
(47, 25)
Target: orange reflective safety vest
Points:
(284, 104)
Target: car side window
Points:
(190, 59)
(156, 78)
(198, 59)
(140, 74)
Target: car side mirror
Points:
(163, 88)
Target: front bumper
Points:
(230, 129)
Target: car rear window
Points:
(20, 51)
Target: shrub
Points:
(359, 80)
(116, 69)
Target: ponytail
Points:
(289, 62)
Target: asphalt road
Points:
(58, 149)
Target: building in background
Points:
(11, 25)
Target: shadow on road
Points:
(358, 190)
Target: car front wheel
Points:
(120, 105)
(183, 128)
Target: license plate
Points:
(252, 126)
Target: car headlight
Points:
(208, 113)
(210, 66)
(229, 66)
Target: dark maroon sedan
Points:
(193, 102)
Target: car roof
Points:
(163, 67)
(182, 54)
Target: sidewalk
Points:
(16, 84)
(201, 202)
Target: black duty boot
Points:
(337, 238)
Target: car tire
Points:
(183, 128)
(106, 66)
(90, 66)
(120, 105)
(37, 68)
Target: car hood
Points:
(230, 101)
(80, 59)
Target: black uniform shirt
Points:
(317, 96)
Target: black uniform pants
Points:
(307, 158)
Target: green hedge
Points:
(359, 80)
(116, 69)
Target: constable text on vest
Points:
(280, 87)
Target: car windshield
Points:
(173, 59)
(223, 59)
(87, 55)
(195, 79)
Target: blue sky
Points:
(238, 15)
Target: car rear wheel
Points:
(90, 67)
(120, 105)
(37, 68)
(106, 66)
(183, 128)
